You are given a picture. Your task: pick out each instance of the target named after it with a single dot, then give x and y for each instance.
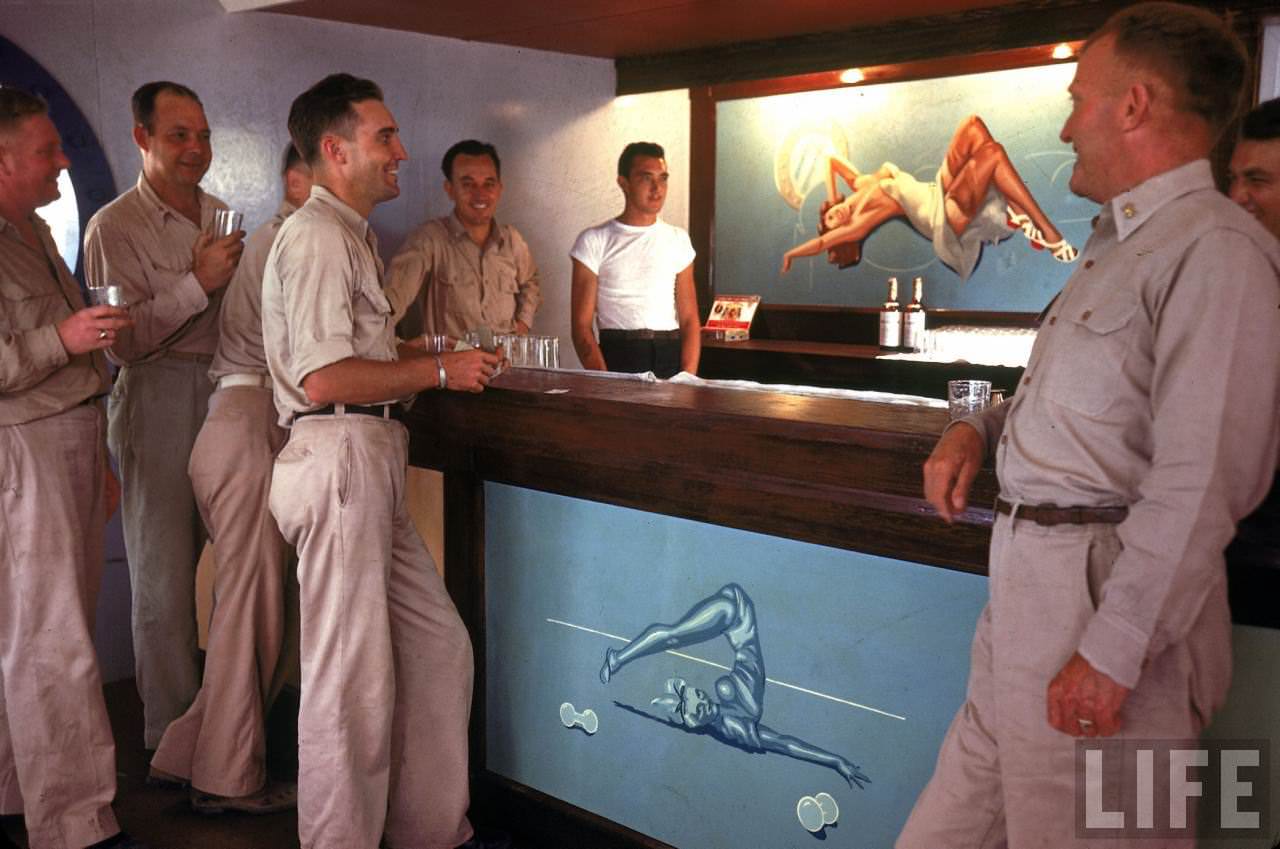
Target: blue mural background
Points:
(909, 124)
(883, 633)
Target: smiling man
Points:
(386, 661)
(1255, 165)
(57, 758)
(633, 279)
(153, 242)
(465, 270)
(1142, 431)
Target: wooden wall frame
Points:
(1018, 35)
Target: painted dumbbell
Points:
(817, 811)
(587, 720)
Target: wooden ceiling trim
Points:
(993, 30)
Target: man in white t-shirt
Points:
(633, 278)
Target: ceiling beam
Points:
(1021, 24)
(250, 5)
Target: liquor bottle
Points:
(891, 320)
(913, 318)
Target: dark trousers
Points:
(659, 354)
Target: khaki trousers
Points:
(155, 413)
(57, 757)
(220, 742)
(1004, 776)
(386, 661)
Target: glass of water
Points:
(106, 295)
(965, 397)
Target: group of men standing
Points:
(273, 365)
(1144, 430)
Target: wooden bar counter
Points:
(841, 474)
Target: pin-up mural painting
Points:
(821, 196)
(626, 674)
(733, 715)
(977, 198)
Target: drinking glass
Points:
(107, 295)
(965, 397)
(226, 222)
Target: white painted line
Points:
(711, 663)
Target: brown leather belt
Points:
(628, 335)
(1051, 514)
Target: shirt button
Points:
(1084, 316)
(1004, 440)
(1129, 210)
(1026, 381)
(1053, 319)
(1088, 263)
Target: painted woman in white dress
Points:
(733, 716)
(978, 197)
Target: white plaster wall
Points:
(553, 117)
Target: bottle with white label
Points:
(891, 320)
(913, 318)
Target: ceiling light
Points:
(1063, 51)
(852, 76)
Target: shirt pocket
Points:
(21, 310)
(502, 272)
(1086, 369)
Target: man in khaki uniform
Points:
(465, 271)
(1255, 165)
(386, 661)
(1147, 414)
(219, 744)
(57, 758)
(152, 242)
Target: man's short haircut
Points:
(1263, 122)
(1191, 49)
(290, 159)
(637, 149)
(17, 105)
(469, 147)
(144, 101)
(328, 107)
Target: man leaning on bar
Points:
(1142, 432)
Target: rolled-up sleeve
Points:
(317, 297)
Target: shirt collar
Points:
(161, 210)
(1130, 209)
(356, 223)
(43, 233)
(457, 231)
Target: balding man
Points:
(1143, 430)
(57, 758)
(1255, 165)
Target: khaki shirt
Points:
(144, 245)
(37, 377)
(240, 322)
(322, 298)
(1154, 383)
(459, 285)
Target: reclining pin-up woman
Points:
(733, 715)
(978, 197)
